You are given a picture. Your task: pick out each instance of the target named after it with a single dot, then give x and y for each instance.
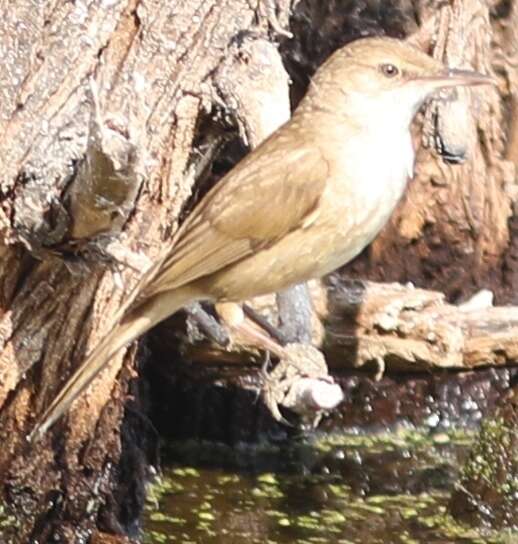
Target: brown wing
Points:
(263, 198)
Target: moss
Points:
(488, 490)
(160, 487)
(7, 520)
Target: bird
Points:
(303, 203)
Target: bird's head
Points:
(383, 76)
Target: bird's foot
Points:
(301, 383)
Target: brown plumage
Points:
(304, 202)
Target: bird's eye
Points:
(389, 70)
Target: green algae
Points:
(8, 522)
(487, 493)
(328, 490)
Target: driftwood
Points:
(407, 328)
(396, 327)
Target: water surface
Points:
(342, 489)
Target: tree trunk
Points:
(110, 112)
(101, 112)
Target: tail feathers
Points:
(134, 324)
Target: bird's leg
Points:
(300, 380)
(248, 330)
(208, 324)
(272, 330)
(295, 309)
(231, 318)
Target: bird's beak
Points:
(453, 77)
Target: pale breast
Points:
(380, 177)
(365, 192)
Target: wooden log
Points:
(397, 327)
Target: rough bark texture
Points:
(100, 108)
(110, 111)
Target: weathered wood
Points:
(405, 328)
(394, 326)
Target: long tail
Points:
(131, 326)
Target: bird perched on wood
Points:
(303, 203)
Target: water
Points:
(344, 489)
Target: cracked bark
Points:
(100, 107)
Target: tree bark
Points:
(100, 119)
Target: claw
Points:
(380, 368)
(265, 365)
(273, 407)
